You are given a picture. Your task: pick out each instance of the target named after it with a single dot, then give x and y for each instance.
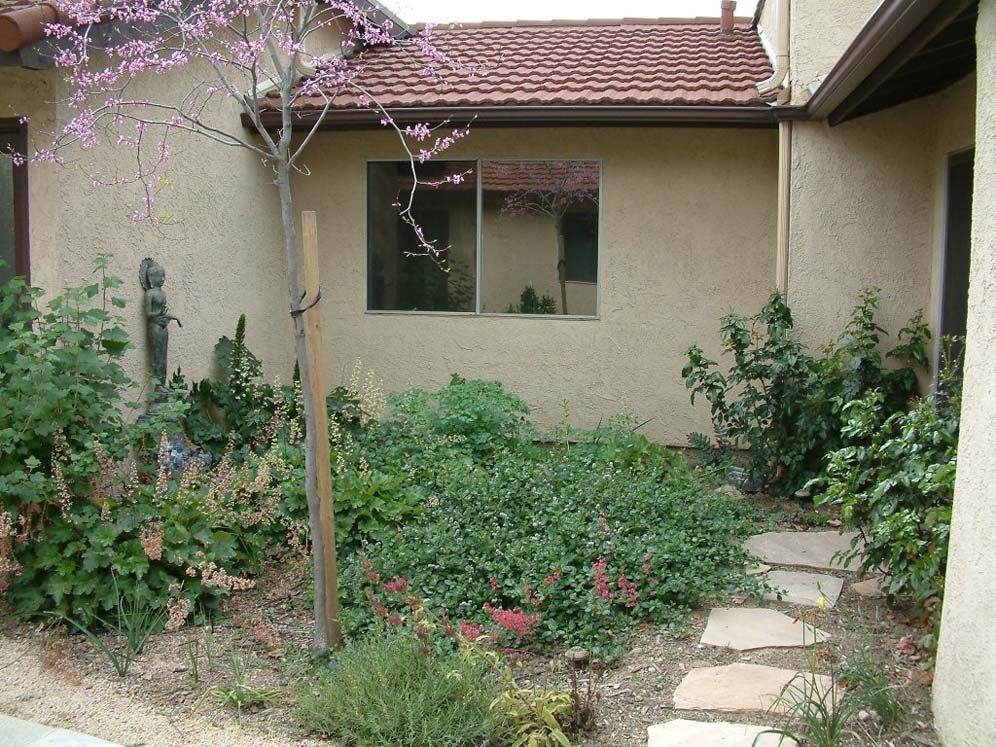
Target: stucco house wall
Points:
(688, 218)
(222, 249)
(965, 678)
(819, 32)
(867, 208)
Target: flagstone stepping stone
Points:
(748, 628)
(746, 688)
(872, 588)
(804, 588)
(808, 549)
(684, 733)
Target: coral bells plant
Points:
(263, 58)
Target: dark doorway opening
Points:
(957, 248)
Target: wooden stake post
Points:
(323, 465)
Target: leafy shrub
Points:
(368, 503)
(479, 414)
(559, 544)
(783, 404)
(60, 390)
(531, 303)
(234, 411)
(895, 484)
(389, 688)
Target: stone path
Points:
(749, 628)
(753, 688)
(798, 587)
(17, 733)
(684, 733)
(745, 688)
(808, 549)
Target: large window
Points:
(13, 204)
(509, 237)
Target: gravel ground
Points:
(34, 687)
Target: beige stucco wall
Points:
(223, 252)
(820, 32)
(688, 235)
(867, 206)
(965, 679)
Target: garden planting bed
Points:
(63, 680)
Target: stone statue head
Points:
(151, 274)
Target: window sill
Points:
(486, 315)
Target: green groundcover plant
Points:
(536, 543)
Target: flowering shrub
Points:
(60, 392)
(188, 539)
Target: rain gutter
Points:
(528, 116)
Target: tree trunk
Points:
(327, 628)
(562, 265)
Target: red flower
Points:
(601, 587)
(397, 585)
(471, 631)
(514, 620)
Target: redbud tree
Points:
(265, 55)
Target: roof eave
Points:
(891, 24)
(531, 116)
(380, 13)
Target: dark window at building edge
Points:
(15, 133)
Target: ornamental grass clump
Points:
(389, 688)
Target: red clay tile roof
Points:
(23, 22)
(573, 63)
(521, 176)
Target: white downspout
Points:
(779, 81)
(781, 53)
(784, 205)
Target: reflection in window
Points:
(400, 277)
(540, 237)
(530, 228)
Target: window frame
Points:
(478, 162)
(18, 131)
